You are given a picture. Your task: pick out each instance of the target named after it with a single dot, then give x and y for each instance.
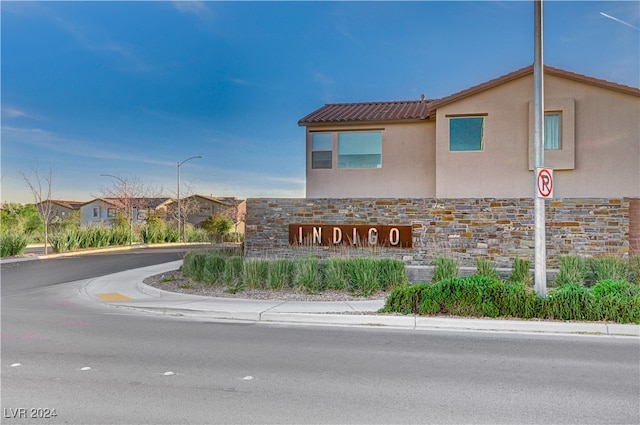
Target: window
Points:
(559, 134)
(95, 212)
(360, 149)
(111, 212)
(552, 130)
(465, 134)
(321, 150)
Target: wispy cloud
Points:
(619, 20)
(89, 42)
(197, 8)
(246, 83)
(12, 112)
(322, 78)
(50, 142)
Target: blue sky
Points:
(131, 88)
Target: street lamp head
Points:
(188, 159)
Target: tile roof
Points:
(413, 110)
(369, 111)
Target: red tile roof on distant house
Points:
(72, 205)
(369, 111)
(413, 110)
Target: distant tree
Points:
(218, 226)
(41, 184)
(70, 221)
(20, 218)
(128, 193)
(188, 205)
(234, 214)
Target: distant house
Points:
(61, 209)
(479, 142)
(101, 211)
(200, 207)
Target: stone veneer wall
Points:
(497, 229)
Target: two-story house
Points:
(478, 143)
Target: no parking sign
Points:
(544, 183)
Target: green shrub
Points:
(513, 299)
(391, 273)
(213, 273)
(478, 296)
(307, 276)
(12, 243)
(280, 274)
(521, 272)
(618, 300)
(405, 299)
(464, 296)
(602, 268)
(570, 302)
(445, 268)
(193, 265)
(256, 273)
(634, 270)
(572, 269)
(233, 277)
(485, 268)
(336, 275)
(363, 276)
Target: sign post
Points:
(543, 182)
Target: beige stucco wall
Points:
(408, 165)
(606, 136)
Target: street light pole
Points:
(130, 212)
(180, 236)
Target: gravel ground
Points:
(174, 281)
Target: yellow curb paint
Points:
(113, 296)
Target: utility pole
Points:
(540, 284)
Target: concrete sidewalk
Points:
(127, 290)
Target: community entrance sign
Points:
(350, 235)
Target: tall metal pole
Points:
(540, 284)
(180, 236)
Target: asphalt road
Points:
(94, 364)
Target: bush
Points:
(521, 272)
(307, 276)
(256, 273)
(391, 273)
(485, 268)
(570, 302)
(233, 274)
(280, 274)
(618, 300)
(571, 270)
(445, 268)
(634, 270)
(363, 276)
(12, 244)
(602, 268)
(406, 299)
(336, 275)
(214, 267)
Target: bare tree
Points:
(188, 205)
(128, 194)
(41, 184)
(235, 213)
